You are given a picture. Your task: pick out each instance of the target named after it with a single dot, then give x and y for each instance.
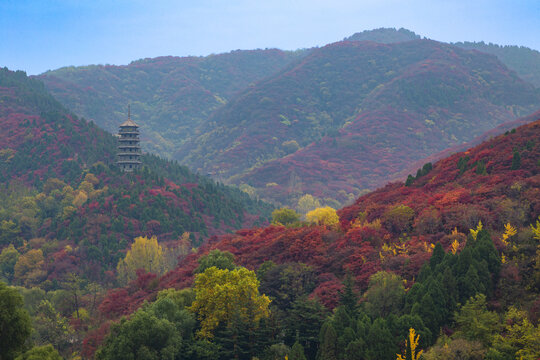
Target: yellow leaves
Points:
(80, 198)
(454, 247)
(536, 229)
(412, 344)
(454, 232)
(323, 216)
(229, 296)
(474, 232)
(503, 259)
(508, 233)
(144, 254)
(428, 247)
(392, 250)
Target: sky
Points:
(41, 35)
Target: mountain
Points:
(169, 96)
(349, 115)
(454, 246)
(60, 189)
(384, 36)
(523, 60)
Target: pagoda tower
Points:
(129, 149)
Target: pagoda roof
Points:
(129, 122)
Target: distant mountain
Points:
(59, 184)
(384, 35)
(169, 96)
(350, 114)
(523, 60)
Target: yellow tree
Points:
(144, 254)
(228, 297)
(412, 344)
(474, 232)
(323, 216)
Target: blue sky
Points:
(38, 35)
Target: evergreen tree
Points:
(297, 352)
(348, 297)
(328, 349)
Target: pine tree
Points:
(297, 352)
(328, 349)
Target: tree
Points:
(328, 349)
(307, 203)
(411, 344)
(8, 259)
(398, 219)
(225, 296)
(323, 216)
(144, 254)
(160, 330)
(285, 216)
(223, 260)
(29, 268)
(15, 325)
(348, 297)
(516, 161)
(297, 352)
(475, 322)
(45, 352)
(385, 294)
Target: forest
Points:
(443, 266)
(167, 263)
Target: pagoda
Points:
(129, 149)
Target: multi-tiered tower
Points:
(129, 149)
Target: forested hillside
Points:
(524, 61)
(65, 207)
(169, 96)
(451, 256)
(351, 114)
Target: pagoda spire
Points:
(129, 150)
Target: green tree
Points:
(45, 352)
(8, 259)
(15, 325)
(328, 348)
(297, 352)
(160, 330)
(285, 216)
(516, 161)
(223, 260)
(475, 322)
(385, 294)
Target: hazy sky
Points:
(38, 35)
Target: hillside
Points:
(169, 96)
(524, 61)
(349, 115)
(60, 189)
(461, 238)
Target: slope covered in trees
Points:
(451, 256)
(352, 113)
(65, 207)
(524, 61)
(169, 95)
